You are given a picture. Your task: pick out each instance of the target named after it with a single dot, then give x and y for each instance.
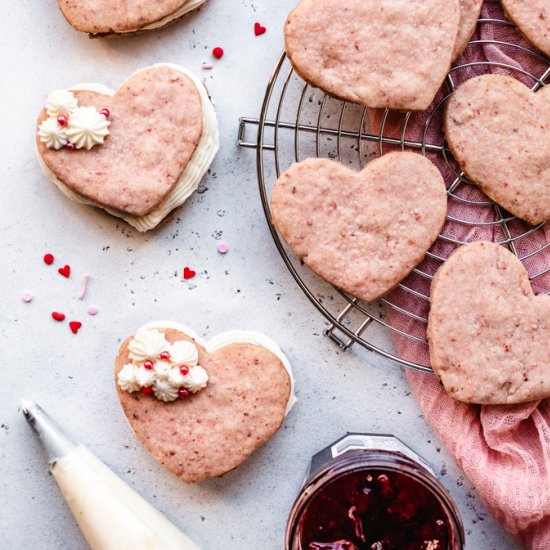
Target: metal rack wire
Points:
(298, 121)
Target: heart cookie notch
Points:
(361, 231)
(379, 53)
(163, 136)
(119, 17)
(489, 334)
(497, 129)
(202, 408)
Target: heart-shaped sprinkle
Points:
(48, 259)
(58, 316)
(75, 326)
(259, 29)
(188, 273)
(65, 271)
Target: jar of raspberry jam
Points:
(372, 492)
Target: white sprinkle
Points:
(207, 66)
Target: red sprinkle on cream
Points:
(58, 316)
(217, 52)
(65, 271)
(48, 259)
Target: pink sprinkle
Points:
(223, 248)
(84, 287)
(207, 66)
(92, 310)
(27, 297)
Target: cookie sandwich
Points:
(138, 152)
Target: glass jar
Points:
(372, 491)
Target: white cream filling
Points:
(235, 337)
(190, 178)
(186, 8)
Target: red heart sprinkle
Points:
(65, 271)
(188, 273)
(58, 316)
(48, 259)
(259, 29)
(217, 52)
(75, 325)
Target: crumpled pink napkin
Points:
(504, 450)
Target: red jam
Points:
(375, 510)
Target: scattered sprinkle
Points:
(92, 310)
(84, 287)
(58, 316)
(207, 66)
(27, 297)
(188, 273)
(65, 271)
(75, 325)
(259, 29)
(223, 248)
(48, 259)
(217, 52)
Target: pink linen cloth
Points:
(504, 450)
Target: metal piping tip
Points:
(53, 439)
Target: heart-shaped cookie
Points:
(163, 137)
(202, 408)
(489, 334)
(498, 130)
(379, 53)
(361, 231)
(105, 17)
(532, 18)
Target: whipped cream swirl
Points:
(168, 370)
(87, 127)
(52, 134)
(61, 102)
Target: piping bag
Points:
(111, 515)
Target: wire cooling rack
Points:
(298, 121)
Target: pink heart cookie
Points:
(381, 53)
(202, 408)
(361, 231)
(489, 334)
(163, 136)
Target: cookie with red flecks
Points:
(497, 129)
(379, 53)
(139, 152)
(361, 231)
(202, 407)
(532, 18)
(489, 334)
(119, 17)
